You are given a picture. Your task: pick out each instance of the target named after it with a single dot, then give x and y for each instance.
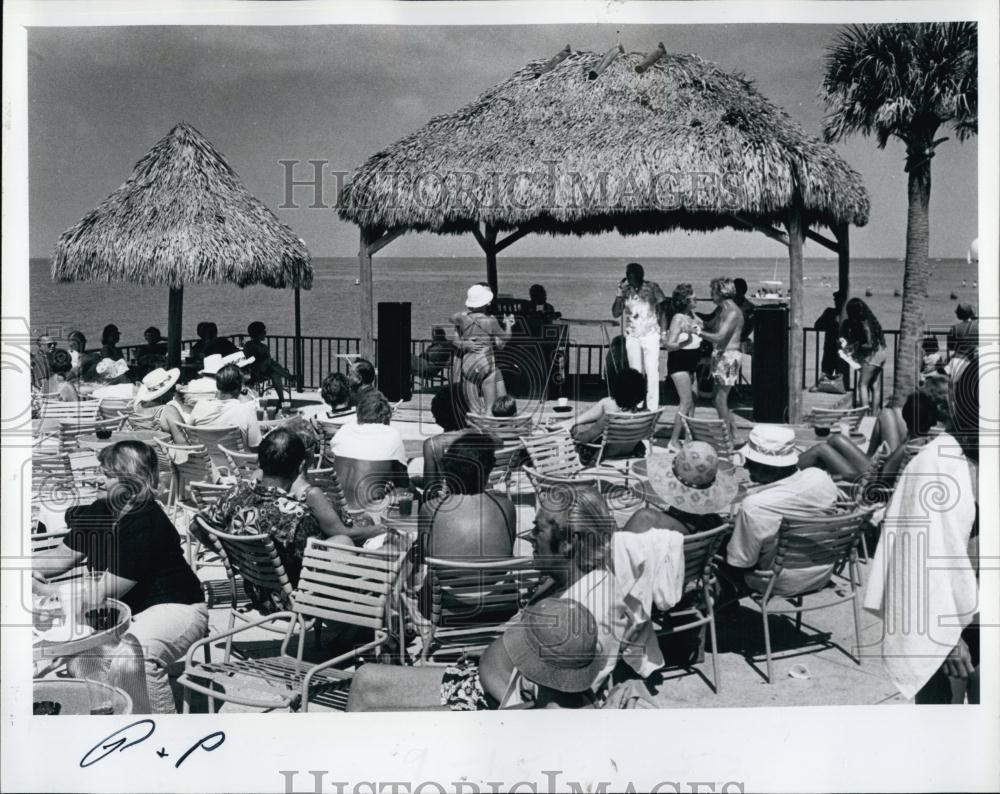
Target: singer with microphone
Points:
(638, 304)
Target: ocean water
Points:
(579, 288)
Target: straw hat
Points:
(201, 387)
(215, 362)
(692, 481)
(478, 296)
(109, 368)
(555, 645)
(772, 445)
(156, 384)
(117, 391)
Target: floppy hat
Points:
(200, 387)
(110, 368)
(692, 481)
(156, 384)
(772, 445)
(554, 644)
(213, 363)
(477, 296)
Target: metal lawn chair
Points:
(809, 543)
(343, 585)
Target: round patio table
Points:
(96, 444)
(102, 632)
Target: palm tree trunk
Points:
(916, 274)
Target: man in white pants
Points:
(640, 301)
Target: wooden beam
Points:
(491, 257)
(510, 239)
(367, 296)
(796, 237)
(609, 56)
(299, 376)
(175, 313)
(843, 279)
(768, 231)
(651, 58)
(554, 61)
(383, 240)
(826, 242)
(480, 238)
(843, 260)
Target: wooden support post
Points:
(367, 295)
(175, 314)
(299, 375)
(796, 236)
(490, 247)
(843, 260)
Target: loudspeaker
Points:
(394, 351)
(769, 369)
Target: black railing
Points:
(324, 354)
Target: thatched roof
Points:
(681, 145)
(183, 217)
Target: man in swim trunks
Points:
(727, 356)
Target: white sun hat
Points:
(215, 362)
(156, 384)
(772, 445)
(202, 387)
(477, 296)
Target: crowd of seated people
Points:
(460, 517)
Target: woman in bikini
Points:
(683, 341)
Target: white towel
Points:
(649, 570)
(922, 582)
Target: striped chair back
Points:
(211, 438)
(507, 429)
(347, 584)
(714, 432)
(832, 417)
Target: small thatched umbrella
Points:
(183, 217)
(587, 143)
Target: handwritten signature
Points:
(136, 733)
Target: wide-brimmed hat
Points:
(213, 363)
(691, 481)
(772, 445)
(200, 387)
(110, 368)
(554, 644)
(156, 384)
(477, 296)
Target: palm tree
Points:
(905, 81)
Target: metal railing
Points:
(324, 354)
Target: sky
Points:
(101, 97)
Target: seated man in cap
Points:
(571, 542)
(785, 490)
(227, 410)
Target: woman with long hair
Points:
(861, 336)
(684, 345)
(128, 541)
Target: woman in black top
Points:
(128, 538)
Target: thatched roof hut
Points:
(681, 145)
(587, 143)
(182, 217)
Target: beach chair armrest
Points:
(250, 624)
